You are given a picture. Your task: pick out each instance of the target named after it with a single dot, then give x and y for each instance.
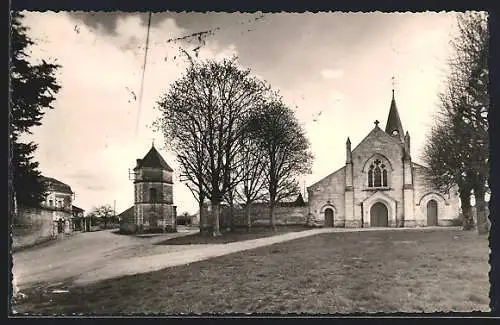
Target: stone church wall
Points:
(448, 205)
(331, 188)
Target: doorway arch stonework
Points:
(323, 214)
(422, 207)
(389, 203)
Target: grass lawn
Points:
(383, 271)
(230, 237)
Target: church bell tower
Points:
(394, 127)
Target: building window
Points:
(51, 203)
(377, 174)
(152, 195)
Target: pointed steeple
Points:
(394, 127)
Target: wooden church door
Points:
(379, 215)
(432, 213)
(329, 217)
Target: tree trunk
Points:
(248, 217)
(481, 213)
(216, 219)
(204, 225)
(231, 217)
(272, 215)
(468, 221)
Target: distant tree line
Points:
(103, 216)
(236, 141)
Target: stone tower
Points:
(153, 194)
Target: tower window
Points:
(377, 174)
(152, 195)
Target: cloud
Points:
(90, 139)
(332, 73)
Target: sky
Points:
(334, 69)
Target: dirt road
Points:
(81, 253)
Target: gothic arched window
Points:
(377, 174)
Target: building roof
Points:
(300, 200)
(77, 209)
(323, 178)
(393, 120)
(127, 213)
(54, 185)
(375, 132)
(153, 159)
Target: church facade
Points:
(380, 186)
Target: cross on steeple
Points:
(152, 142)
(376, 122)
(393, 84)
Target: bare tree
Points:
(445, 154)
(203, 119)
(252, 187)
(283, 140)
(460, 151)
(472, 47)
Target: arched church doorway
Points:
(432, 213)
(329, 217)
(379, 216)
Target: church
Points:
(380, 185)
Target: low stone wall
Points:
(35, 225)
(259, 215)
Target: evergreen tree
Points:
(32, 91)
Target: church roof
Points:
(322, 179)
(393, 120)
(419, 165)
(375, 132)
(153, 159)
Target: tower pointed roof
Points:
(153, 159)
(393, 121)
